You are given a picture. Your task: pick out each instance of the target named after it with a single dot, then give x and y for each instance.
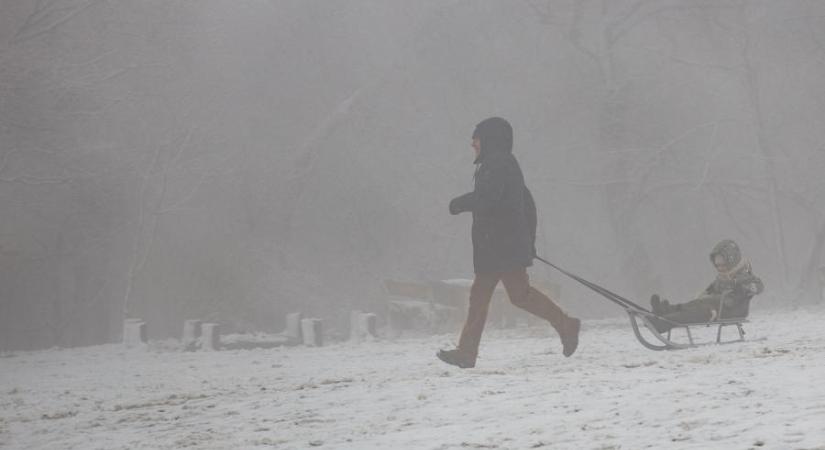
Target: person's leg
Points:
(703, 309)
(480, 295)
(524, 296)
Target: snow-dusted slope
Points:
(613, 393)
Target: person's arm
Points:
(461, 203)
(749, 284)
(488, 193)
(710, 290)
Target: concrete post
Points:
(293, 327)
(191, 334)
(822, 284)
(210, 336)
(367, 326)
(355, 325)
(362, 326)
(312, 330)
(134, 332)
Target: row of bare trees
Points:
(233, 162)
(708, 114)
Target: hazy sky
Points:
(238, 160)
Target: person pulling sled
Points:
(503, 236)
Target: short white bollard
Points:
(293, 327)
(822, 284)
(191, 334)
(134, 332)
(355, 325)
(362, 326)
(210, 336)
(367, 325)
(313, 332)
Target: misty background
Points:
(235, 161)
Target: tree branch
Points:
(41, 15)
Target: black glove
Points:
(459, 204)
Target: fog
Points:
(236, 161)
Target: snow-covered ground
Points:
(765, 393)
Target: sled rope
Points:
(612, 296)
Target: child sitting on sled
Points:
(728, 296)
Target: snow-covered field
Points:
(613, 393)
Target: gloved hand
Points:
(459, 204)
(750, 288)
(454, 206)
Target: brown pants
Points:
(517, 284)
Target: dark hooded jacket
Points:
(504, 213)
(738, 284)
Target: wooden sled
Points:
(668, 344)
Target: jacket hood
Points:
(496, 136)
(729, 250)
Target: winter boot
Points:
(570, 335)
(456, 358)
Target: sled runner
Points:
(667, 343)
(637, 314)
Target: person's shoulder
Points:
(746, 274)
(501, 161)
